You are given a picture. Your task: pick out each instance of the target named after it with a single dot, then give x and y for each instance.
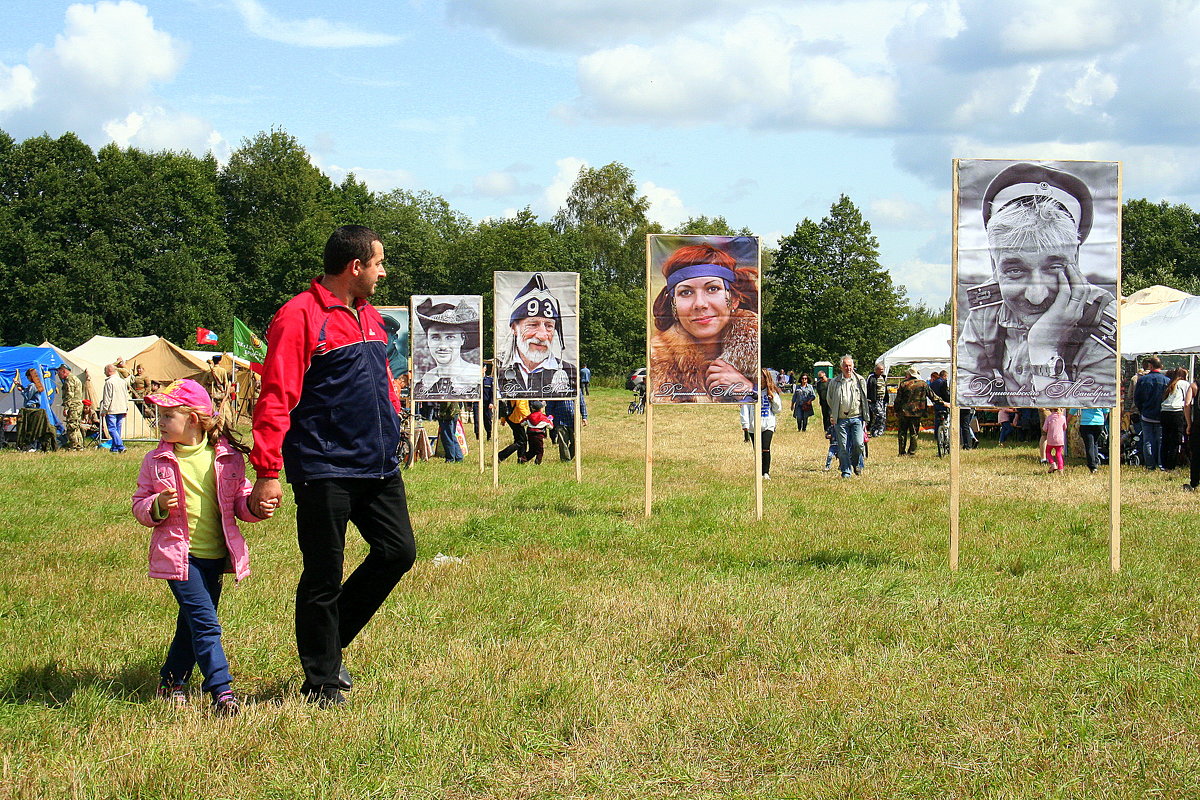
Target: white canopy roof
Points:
(927, 350)
(1146, 301)
(107, 349)
(1173, 329)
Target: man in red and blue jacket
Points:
(327, 416)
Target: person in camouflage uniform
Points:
(72, 406)
(912, 397)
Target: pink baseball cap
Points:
(185, 392)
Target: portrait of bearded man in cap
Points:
(1040, 328)
(538, 349)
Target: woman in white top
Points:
(770, 404)
(1172, 417)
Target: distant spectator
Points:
(848, 407)
(1148, 397)
(803, 398)
(537, 426)
(1055, 427)
(1172, 417)
(563, 414)
(585, 378)
(1191, 417)
(1092, 422)
(114, 405)
(912, 398)
(768, 407)
(877, 394)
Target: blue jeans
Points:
(113, 423)
(197, 632)
(1151, 443)
(447, 431)
(849, 439)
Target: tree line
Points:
(124, 242)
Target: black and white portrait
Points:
(537, 334)
(447, 358)
(1037, 280)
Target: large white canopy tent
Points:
(1145, 302)
(1173, 329)
(107, 349)
(927, 350)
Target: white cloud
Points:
(99, 79)
(377, 180)
(556, 193)
(1040, 28)
(923, 281)
(311, 32)
(496, 184)
(900, 212)
(158, 128)
(18, 87)
(666, 207)
(1094, 88)
(571, 24)
(113, 48)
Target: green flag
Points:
(246, 345)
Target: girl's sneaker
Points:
(226, 705)
(174, 693)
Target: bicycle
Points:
(638, 404)
(404, 450)
(942, 434)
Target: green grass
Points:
(581, 650)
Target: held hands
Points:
(1049, 336)
(265, 497)
(721, 375)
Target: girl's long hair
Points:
(1178, 375)
(768, 383)
(214, 427)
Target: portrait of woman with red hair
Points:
(705, 342)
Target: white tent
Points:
(107, 349)
(1147, 301)
(90, 374)
(928, 350)
(1173, 329)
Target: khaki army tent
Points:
(165, 362)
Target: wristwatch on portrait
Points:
(1054, 368)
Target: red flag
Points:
(205, 336)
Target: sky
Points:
(761, 111)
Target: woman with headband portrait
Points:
(705, 345)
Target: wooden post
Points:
(575, 437)
(496, 426)
(1114, 438)
(756, 412)
(953, 420)
(648, 384)
(578, 429)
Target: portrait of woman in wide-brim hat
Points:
(448, 331)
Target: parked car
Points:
(636, 378)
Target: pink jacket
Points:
(170, 542)
(1055, 427)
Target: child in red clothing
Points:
(537, 424)
(1055, 427)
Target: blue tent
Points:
(14, 361)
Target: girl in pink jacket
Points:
(1055, 428)
(192, 489)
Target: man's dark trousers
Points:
(329, 614)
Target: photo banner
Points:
(447, 356)
(395, 320)
(703, 321)
(1038, 255)
(537, 335)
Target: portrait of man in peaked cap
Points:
(1037, 306)
(537, 334)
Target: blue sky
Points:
(761, 111)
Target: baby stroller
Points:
(1131, 447)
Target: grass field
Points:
(581, 650)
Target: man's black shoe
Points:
(345, 679)
(324, 697)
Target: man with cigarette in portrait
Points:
(1039, 330)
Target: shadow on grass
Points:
(53, 686)
(831, 559)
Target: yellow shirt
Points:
(197, 468)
